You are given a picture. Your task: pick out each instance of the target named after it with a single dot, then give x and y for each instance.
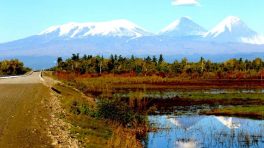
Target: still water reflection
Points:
(196, 131)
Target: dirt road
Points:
(23, 115)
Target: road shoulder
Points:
(58, 130)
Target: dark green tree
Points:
(160, 59)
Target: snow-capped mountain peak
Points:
(228, 23)
(231, 27)
(183, 27)
(116, 28)
(226, 26)
(176, 24)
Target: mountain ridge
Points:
(184, 26)
(115, 28)
(182, 38)
(231, 29)
(125, 37)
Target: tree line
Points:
(152, 65)
(12, 67)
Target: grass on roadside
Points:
(87, 128)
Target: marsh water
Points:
(171, 93)
(197, 131)
(184, 127)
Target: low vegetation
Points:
(12, 67)
(148, 92)
(102, 124)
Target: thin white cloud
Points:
(184, 2)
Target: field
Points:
(148, 95)
(237, 97)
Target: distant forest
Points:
(149, 66)
(12, 67)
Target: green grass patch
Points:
(89, 131)
(256, 112)
(200, 95)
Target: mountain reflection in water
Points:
(194, 131)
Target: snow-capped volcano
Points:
(183, 27)
(183, 37)
(231, 29)
(116, 28)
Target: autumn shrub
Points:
(118, 111)
(12, 67)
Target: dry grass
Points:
(123, 138)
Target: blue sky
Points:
(22, 18)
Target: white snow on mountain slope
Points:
(183, 27)
(116, 28)
(231, 29)
(226, 25)
(258, 40)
